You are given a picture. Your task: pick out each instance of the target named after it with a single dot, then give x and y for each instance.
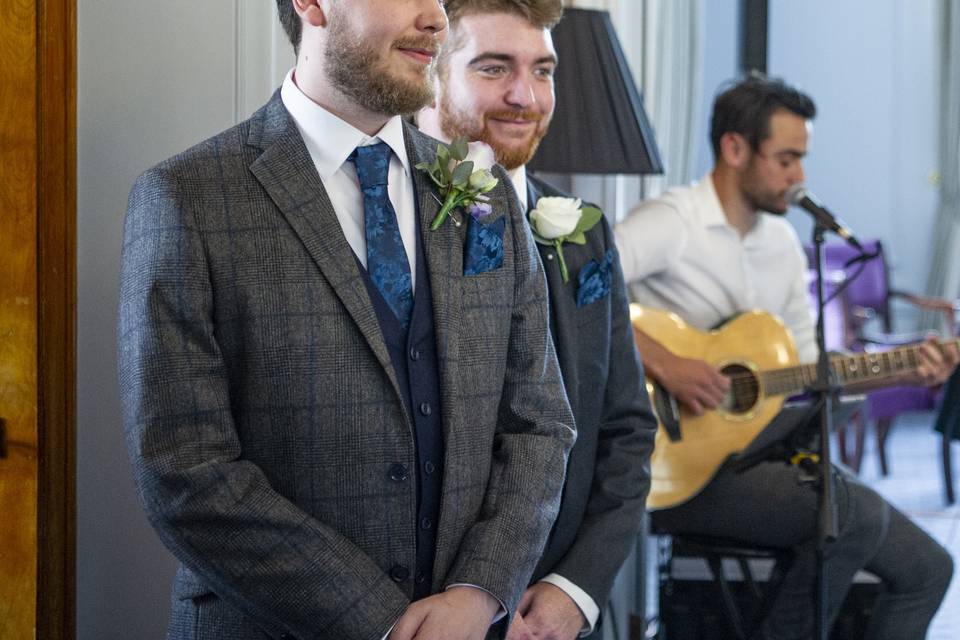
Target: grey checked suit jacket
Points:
(263, 416)
(608, 473)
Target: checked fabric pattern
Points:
(386, 258)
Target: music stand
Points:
(795, 418)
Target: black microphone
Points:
(797, 194)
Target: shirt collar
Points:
(712, 215)
(329, 139)
(519, 179)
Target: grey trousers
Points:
(768, 505)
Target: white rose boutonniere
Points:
(461, 178)
(557, 220)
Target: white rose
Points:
(555, 217)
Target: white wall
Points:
(872, 68)
(153, 79)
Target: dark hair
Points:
(542, 14)
(290, 22)
(746, 107)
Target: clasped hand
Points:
(546, 612)
(459, 613)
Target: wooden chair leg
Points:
(947, 468)
(883, 430)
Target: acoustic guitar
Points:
(756, 351)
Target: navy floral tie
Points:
(386, 258)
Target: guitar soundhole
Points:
(744, 389)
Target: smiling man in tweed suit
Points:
(496, 77)
(341, 423)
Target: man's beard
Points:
(766, 202)
(454, 124)
(355, 69)
(757, 197)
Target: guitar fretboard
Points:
(846, 369)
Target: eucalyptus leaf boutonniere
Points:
(557, 220)
(458, 182)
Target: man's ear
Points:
(312, 12)
(734, 149)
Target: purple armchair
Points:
(861, 316)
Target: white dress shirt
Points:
(518, 178)
(679, 253)
(589, 608)
(330, 141)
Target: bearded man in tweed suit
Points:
(343, 424)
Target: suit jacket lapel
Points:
(444, 255)
(562, 303)
(289, 176)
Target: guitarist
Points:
(719, 247)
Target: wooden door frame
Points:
(56, 317)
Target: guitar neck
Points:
(846, 369)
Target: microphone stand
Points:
(824, 390)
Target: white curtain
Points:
(673, 34)
(944, 278)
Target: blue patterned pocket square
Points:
(484, 250)
(594, 280)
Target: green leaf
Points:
(540, 240)
(445, 173)
(461, 175)
(589, 216)
(576, 237)
(458, 149)
(443, 154)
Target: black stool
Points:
(743, 612)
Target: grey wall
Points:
(153, 79)
(872, 68)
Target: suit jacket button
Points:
(425, 408)
(398, 472)
(399, 573)
(429, 467)
(414, 354)
(426, 523)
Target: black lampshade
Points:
(599, 125)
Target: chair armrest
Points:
(928, 302)
(890, 339)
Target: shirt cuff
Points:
(584, 602)
(389, 631)
(503, 610)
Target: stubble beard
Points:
(765, 202)
(758, 199)
(455, 123)
(356, 70)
